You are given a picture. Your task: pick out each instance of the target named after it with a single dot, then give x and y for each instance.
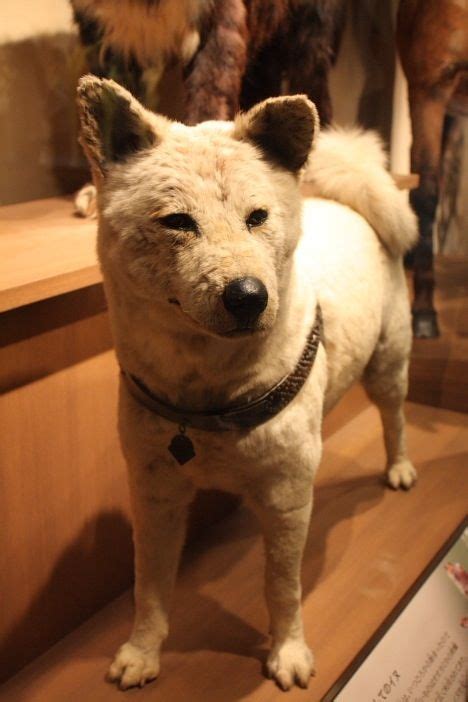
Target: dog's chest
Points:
(234, 460)
(150, 32)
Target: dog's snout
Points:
(245, 299)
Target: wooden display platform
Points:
(367, 545)
(44, 251)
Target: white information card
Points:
(423, 656)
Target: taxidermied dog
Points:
(235, 331)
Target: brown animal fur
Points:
(433, 44)
(248, 49)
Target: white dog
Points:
(235, 331)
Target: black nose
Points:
(245, 299)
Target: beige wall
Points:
(39, 64)
(21, 19)
(40, 61)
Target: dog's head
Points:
(198, 222)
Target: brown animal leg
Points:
(213, 78)
(313, 80)
(313, 40)
(427, 117)
(263, 76)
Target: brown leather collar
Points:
(245, 416)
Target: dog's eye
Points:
(256, 218)
(179, 220)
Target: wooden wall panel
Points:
(65, 535)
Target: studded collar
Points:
(243, 416)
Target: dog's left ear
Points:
(114, 125)
(284, 129)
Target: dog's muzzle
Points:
(245, 298)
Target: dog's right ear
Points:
(283, 128)
(113, 123)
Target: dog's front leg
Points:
(159, 525)
(285, 532)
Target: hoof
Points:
(425, 324)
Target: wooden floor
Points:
(367, 545)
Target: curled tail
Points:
(349, 166)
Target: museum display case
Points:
(65, 525)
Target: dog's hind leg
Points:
(290, 660)
(386, 383)
(159, 522)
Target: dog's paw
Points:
(133, 666)
(291, 663)
(86, 201)
(402, 475)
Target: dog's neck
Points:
(202, 371)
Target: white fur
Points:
(85, 201)
(218, 174)
(350, 166)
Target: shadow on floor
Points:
(93, 569)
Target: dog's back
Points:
(356, 231)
